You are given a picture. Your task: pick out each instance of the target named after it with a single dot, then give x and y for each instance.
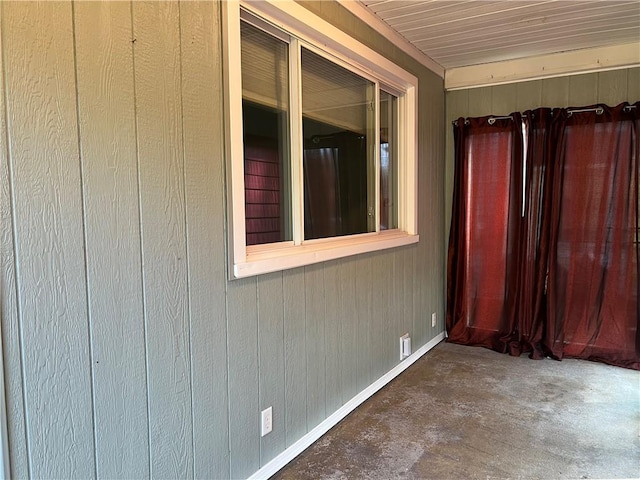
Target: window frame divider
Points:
(297, 141)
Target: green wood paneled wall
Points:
(127, 352)
(610, 88)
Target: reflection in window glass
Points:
(265, 122)
(388, 161)
(338, 129)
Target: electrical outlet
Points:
(266, 424)
(405, 346)
(433, 319)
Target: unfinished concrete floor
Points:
(465, 413)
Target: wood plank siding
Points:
(127, 351)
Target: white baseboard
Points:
(294, 450)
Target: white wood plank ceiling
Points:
(460, 33)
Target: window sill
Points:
(283, 257)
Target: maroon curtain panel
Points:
(485, 229)
(593, 308)
(528, 324)
(543, 250)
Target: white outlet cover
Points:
(433, 319)
(266, 421)
(405, 343)
(406, 346)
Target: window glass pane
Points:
(338, 129)
(388, 161)
(265, 123)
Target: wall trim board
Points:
(294, 450)
(5, 461)
(562, 64)
(379, 25)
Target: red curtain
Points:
(528, 323)
(593, 262)
(482, 266)
(543, 251)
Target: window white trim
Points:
(271, 259)
(233, 135)
(307, 28)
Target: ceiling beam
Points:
(544, 66)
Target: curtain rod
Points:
(491, 119)
(598, 110)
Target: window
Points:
(265, 129)
(321, 141)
